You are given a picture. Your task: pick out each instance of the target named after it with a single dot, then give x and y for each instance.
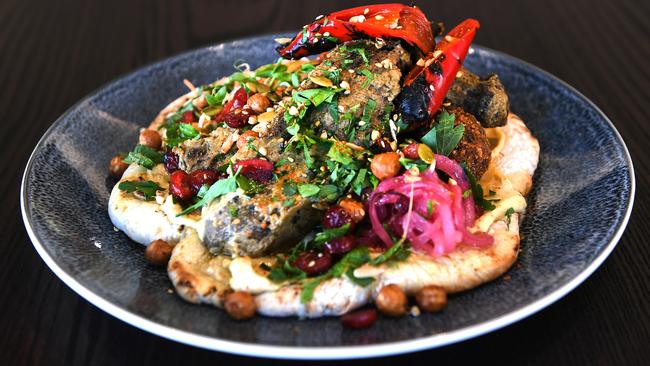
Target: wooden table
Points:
(54, 52)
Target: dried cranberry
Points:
(368, 238)
(235, 120)
(391, 204)
(359, 319)
(259, 170)
(336, 216)
(202, 176)
(180, 186)
(313, 262)
(340, 245)
(170, 159)
(188, 117)
(411, 151)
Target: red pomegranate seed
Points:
(313, 263)
(188, 117)
(359, 319)
(336, 216)
(180, 186)
(411, 151)
(202, 176)
(259, 170)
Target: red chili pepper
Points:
(427, 84)
(373, 21)
(238, 101)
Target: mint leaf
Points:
(144, 156)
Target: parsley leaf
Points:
(147, 188)
(444, 136)
(216, 98)
(329, 234)
(477, 190)
(308, 190)
(340, 153)
(509, 213)
(179, 132)
(144, 156)
(396, 252)
(316, 96)
(218, 189)
(369, 78)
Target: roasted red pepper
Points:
(373, 21)
(427, 84)
(229, 112)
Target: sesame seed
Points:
(374, 135)
(293, 111)
(326, 34)
(236, 221)
(395, 117)
(361, 123)
(420, 62)
(291, 159)
(415, 311)
(323, 135)
(449, 38)
(351, 71)
(459, 74)
(319, 17)
(311, 264)
(379, 17)
(366, 11)
(262, 150)
(345, 85)
(432, 87)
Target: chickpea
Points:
(158, 252)
(117, 166)
(242, 141)
(385, 165)
(354, 208)
(258, 103)
(150, 138)
(431, 298)
(240, 305)
(391, 301)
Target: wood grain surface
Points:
(54, 52)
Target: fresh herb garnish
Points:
(216, 98)
(176, 133)
(144, 156)
(369, 78)
(444, 137)
(509, 213)
(397, 252)
(147, 188)
(477, 190)
(329, 234)
(218, 189)
(308, 190)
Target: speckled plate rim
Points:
(327, 353)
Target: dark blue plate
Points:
(578, 209)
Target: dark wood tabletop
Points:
(52, 53)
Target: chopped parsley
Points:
(218, 189)
(477, 190)
(144, 156)
(147, 188)
(509, 213)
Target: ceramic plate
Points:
(578, 209)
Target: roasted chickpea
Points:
(117, 166)
(258, 103)
(385, 165)
(431, 298)
(354, 208)
(240, 305)
(150, 138)
(242, 141)
(158, 252)
(391, 301)
(411, 151)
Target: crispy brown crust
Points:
(474, 147)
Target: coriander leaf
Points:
(219, 188)
(369, 78)
(358, 184)
(249, 186)
(316, 96)
(188, 131)
(289, 188)
(308, 190)
(144, 156)
(288, 202)
(216, 98)
(396, 252)
(444, 136)
(367, 112)
(328, 192)
(147, 187)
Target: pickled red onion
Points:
(438, 217)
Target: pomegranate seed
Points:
(188, 117)
(202, 176)
(340, 245)
(180, 186)
(170, 159)
(336, 216)
(235, 120)
(259, 170)
(411, 151)
(313, 263)
(359, 319)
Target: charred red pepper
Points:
(427, 84)
(373, 21)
